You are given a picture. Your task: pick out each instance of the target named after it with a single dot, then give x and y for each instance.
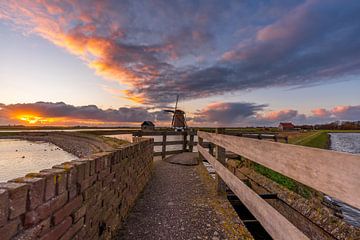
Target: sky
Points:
(233, 63)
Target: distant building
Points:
(147, 125)
(286, 126)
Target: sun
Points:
(33, 119)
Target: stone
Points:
(186, 158)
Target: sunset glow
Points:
(115, 62)
(34, 120)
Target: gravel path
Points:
(174, 205)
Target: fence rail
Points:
(336, 174)
(187, 145)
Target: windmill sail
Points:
(179, 119)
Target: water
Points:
(346, 142)
(19, 157)
(67, 130)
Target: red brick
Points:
(75, 228)
(10, 229)
(92, 191)
(79, 213)
(46, 209)
(36, 190)
(58, 230)
(35, 232)
(4, 206)
(87, 182)
(67, 210)
(50, 183)
(18, 197)
(81, 169)
(103, 174)
(61, 179)
(73, 192)
(71, 173)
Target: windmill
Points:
(179, 119)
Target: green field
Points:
(317, 139)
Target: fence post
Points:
(221, 157)
(200, 143)
(191, 141)
(163, 150)
(185, 142)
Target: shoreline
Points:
(78, 144)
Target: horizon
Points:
(233, 64)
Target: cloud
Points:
(251, 114)
(282, 115)
(292, 44)
(347, 112)
(214, 114)
(227, 113)
(64, 114)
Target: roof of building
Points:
(287, 125)
(148, 123)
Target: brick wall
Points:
(82, 199)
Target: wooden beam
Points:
(168, 153)
(334, 173)
(169, 143)
(274, 223)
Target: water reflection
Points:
(19, 157)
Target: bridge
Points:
(132, 192)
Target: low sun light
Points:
(33, 119)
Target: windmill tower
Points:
(179, 119)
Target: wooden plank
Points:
(168, 152)
(163, 150)
(158, 133)
(169, 143)
(334, 173)
(274, 223)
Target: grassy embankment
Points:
(317, 139)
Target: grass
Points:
(317, 139)
(289, 183)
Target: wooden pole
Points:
(221, 157)
(163, 152)
(211, 148)
(185, 142)
(191, 141)
(200, 143)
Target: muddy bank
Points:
(79, 144)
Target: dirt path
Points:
(176, 204)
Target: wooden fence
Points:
(333, 173)
(187, 145)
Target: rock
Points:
(186, 158)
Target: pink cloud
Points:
(280, 115)
(321, 112)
